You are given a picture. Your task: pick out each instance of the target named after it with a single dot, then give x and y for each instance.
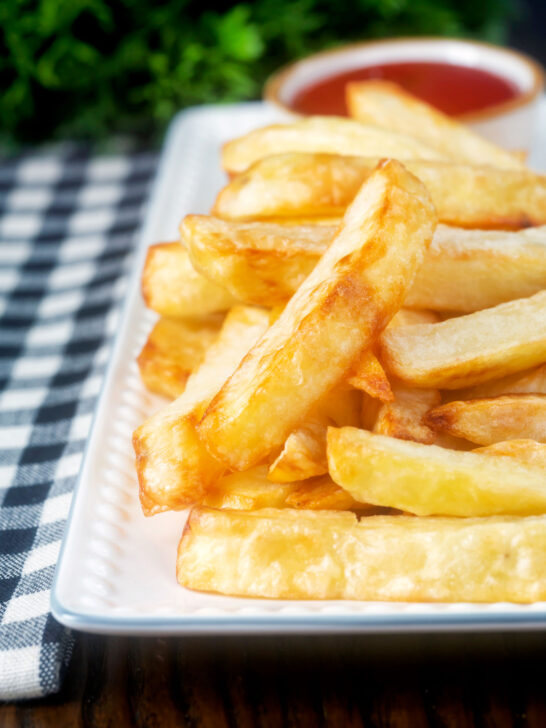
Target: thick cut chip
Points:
(386, 104)
(403, 418)
(288, 554)
(338, 311)
(470, 349)
(322, 493)
(174, 468)
(370, 377)
(409, 317)
(304, 452)
(330, 134)
(527, 451)
(490, 420)
(173, 350)
(308, 185)
(369, 411)
(340, 405)
(464, 270)
(467, 270)
(250, 490)
(429, 480)
(531, 382)
(172, 287)
(261, 263)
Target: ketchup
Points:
(455, 90)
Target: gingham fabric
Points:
(67, 228)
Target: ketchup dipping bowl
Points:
(494, 90)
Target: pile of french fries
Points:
(354, 346)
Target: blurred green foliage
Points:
(93, 68)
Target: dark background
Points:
(527, 32)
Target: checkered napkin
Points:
(67, 228)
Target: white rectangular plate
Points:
(116, 572)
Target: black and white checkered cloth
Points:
(67, 228)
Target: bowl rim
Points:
(275, 82)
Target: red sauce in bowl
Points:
(455, 90)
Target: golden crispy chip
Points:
(287, 554)
(403, 418)
(369, 411)
(173, 466)
(386, 104)
(490, 420)
(250, 490)
(338, 311)
(469, 349)
(261, 263)
(408, 317)
(330, 134)
(294, 185)
(429, 480)
(466, 270)
(308, 185)
(172, 287)
(530, 382)
(304, 452)
(530, 452)
(174, 348)
(369, 376)
(341, 405)
(320, 494)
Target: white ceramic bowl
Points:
(509, 124)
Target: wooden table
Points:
(403, 681)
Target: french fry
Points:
(467, 270)
(469, 349)
(403, 417)
(304, 452)
(493, 419)
(529, 452)
(174, 468)
(369, 376)
(429, 480)
(386, 104)
(369, 411)
(308, 185)
(287, 554)
(330, 134)
(172, 287)
(341, 405)
(321, 494)
(293, 185)
(251, 490)
(529, 382)
(409, 317)
(248, 491)
(260, 263)
(337, 312)
(174, 348)
(464, 270)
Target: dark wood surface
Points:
(404, 681)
